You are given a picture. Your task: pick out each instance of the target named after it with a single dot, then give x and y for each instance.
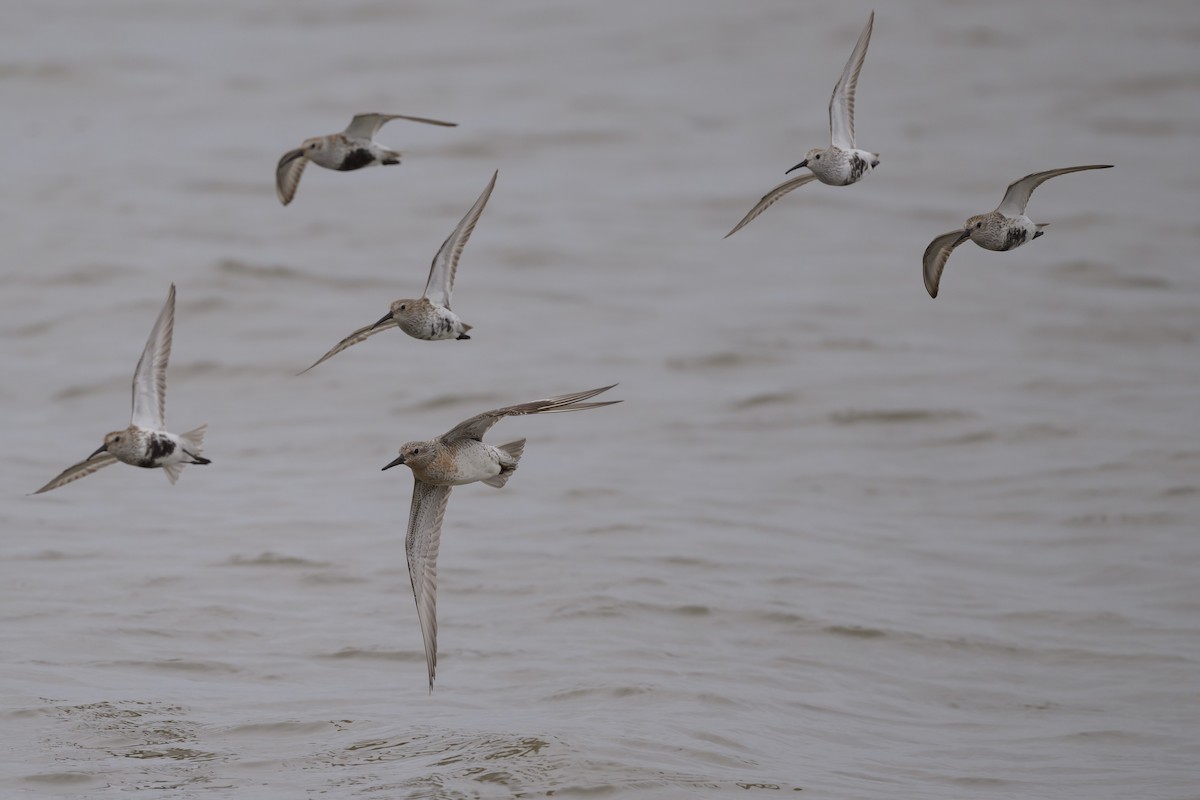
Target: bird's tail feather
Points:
(193, 443)
(514, 451)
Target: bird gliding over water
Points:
(428, 317)
(457, 457)
(1003, 229)
(146, 442)
(353, 148)
(840, 164)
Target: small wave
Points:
(374, 654)
(48, 71)
(331, 579)
(55, 555)
(608, 691)
(1140, 126)
(850, 344)
(174, 665)
(717, 361)
(291, 726)
(1092, 273)
(31, 329)
(692, 611)
(86, 389)
(894, 415)
(225, 187)
(972, 438)
(856, 631)
(1128, 332)
(177, 753)
(61, 778)
(269, 559)
(765, 399)
(237, 268)
(88, 275)
(441, 401)
(1123, 519)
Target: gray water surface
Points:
(840, 541)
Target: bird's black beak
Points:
(397, 462)
(803, 163)
(385, 318)
(101, 449)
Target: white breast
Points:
(475, 461)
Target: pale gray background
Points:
(840, 537)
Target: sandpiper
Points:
(428, 317)
(457, 457)
(840, 164)
(1003, 229)
(353, 148)
(146, 442)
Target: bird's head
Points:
(813, 155)
(414, 455)
(977, 224)
(312, 146)
(404, 308)
(113, 443)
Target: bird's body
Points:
(140, 447)
(146, 442)
(841, 163)
(337, 151)
(422, 319)
(1005, 228)
(465, 461)
(346, 151)
(995, 231)
(836, 166)
(458, 457)
(428, 317)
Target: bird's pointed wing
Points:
(80, 470)
(770, 197)
(287, 174)
(936, 255)
(477, 426)
(424, 536)
(441, 273)
(365, 126)
(358, 336)
(841, 104)
(150, 377)
(1017, 195)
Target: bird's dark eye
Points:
(818, 158)
(403, 306)
(978, 224)
(416, 451)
